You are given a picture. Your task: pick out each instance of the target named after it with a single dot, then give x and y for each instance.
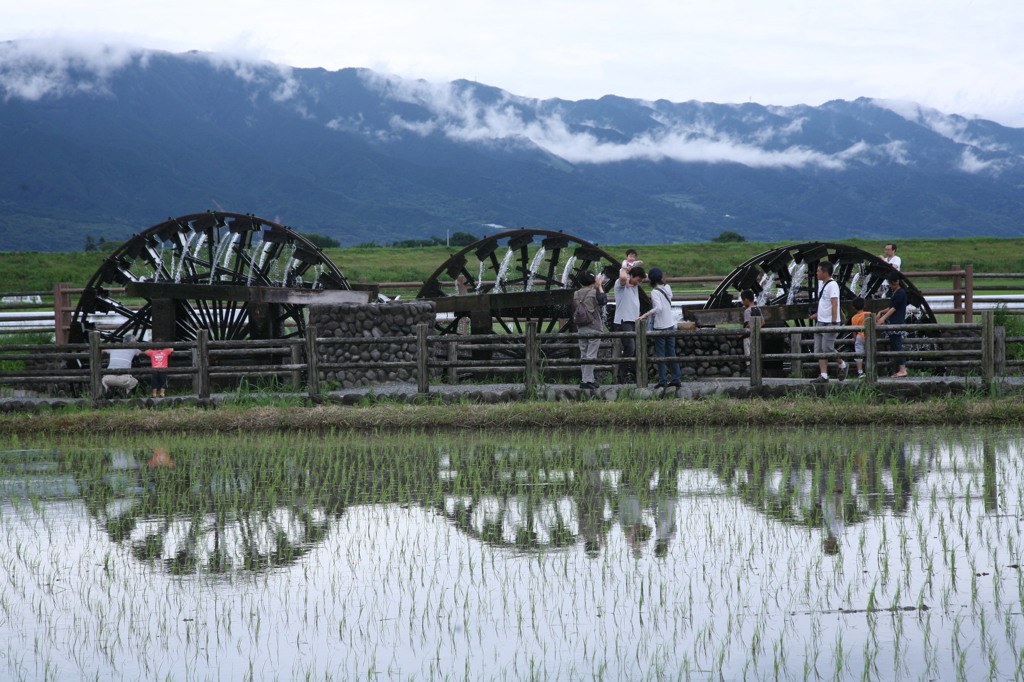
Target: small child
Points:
(158, 380)
(631, 260)
(858, 340)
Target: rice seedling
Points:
(614, 554)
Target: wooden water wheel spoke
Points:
(504, 325)
(190, 318)
(135, 320)
(287, 313)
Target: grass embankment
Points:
(831, 412)
(38, 271)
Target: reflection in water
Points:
(218, 512)
(193, 517)
(747, 555)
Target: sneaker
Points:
(860, 375)
(819, 380)
(588, 386)
(675, 384)
(660, 385)
(843, 371)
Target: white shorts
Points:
(126, 381)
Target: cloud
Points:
(254, 71)
(970, 163)
(953, 128)
(455, 112)
(768, 133)
(34, 69)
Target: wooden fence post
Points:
(987, 343)
(958, 300)
(95, 366)
(201, 363)
(755, 351)
(641, 354)
(532, 378)
(453, 358)
(296, 359)
(999, 350)
(870, 349)
(61, 305)
(969, 296)
(795, 347)
(312, 361)
(618, 371)
(422, 357)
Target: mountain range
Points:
(104, 142)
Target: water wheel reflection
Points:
(197, 518)
(260, 507)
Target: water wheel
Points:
(206, 271)
(501, 282)
(786, 289)
(783, 279)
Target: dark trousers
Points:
(627, 371)
(896, 346)
(665, 347)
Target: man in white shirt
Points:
(627, 309)
(120, 358)
(828, 314)
(890, 256)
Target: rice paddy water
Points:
(745, 554)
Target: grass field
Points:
(863, 408)
(38, 271)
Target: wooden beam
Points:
(773, 314)
(237, 292)
(511, 301)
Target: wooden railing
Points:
(298, 359)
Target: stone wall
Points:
(371, 321)
(708, 348)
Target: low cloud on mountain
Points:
(459, 115)
(955, 128)
(35, 69)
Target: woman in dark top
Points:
(896, 313)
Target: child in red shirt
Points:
(159, 358)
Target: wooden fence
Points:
(981, 351)
(962, 291)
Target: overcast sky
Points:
(959, 56)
